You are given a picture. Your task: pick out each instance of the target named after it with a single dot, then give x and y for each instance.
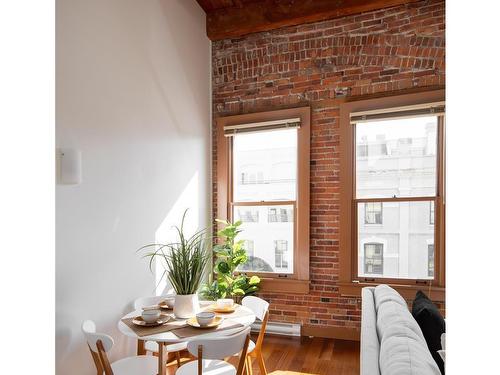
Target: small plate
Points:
(226, 310)
(138, 320)
(194, 323)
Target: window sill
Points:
(271, 285)
(436, 293)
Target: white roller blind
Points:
(230, 130)
(419, 110)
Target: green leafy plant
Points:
(229, 255)
(184, 261)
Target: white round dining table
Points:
(169, 337)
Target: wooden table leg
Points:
(140, 347)
(162, 368)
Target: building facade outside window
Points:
(374, 258)
(431, 213)
(280, 253)
(373, 213)
(430, 260)
(248, 245)
(281, 215)
(248, 215)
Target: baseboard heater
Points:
(286, 329)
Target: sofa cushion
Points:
(392, 314)
(432, 324)
(384, 293)
(402, 352)
(370, 345)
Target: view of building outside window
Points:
(430, 254)
(373, 213)
(374, 260)
(265, 173)
(248, 245)
(431, 213)
(280, 254)
(396, 159)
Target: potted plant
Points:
(185, 262)
(229, 255)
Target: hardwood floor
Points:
(306, 356)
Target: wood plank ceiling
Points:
(235, 18)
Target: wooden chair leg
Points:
(97, 362)
(262, 365)
(178, 358)
(249, 369)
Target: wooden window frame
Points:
(298, 282)
(349, 282)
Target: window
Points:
(392, 175)
(430, 260)
(374, 258)
(263, 180)
(373, 213)
(280, 253)
(282, 215)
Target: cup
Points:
(205, 318)
(150, 316)
(224, 303)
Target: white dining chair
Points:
(151, 346)
(261, 310)
(210, 351)
(100, 344)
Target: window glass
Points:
(265, 166)
(404, 235)
(272, 238)
(396, 158)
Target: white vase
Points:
(186, 306)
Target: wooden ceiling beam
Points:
(265, 15)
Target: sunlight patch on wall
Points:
(166, 233)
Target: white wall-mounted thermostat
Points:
(70, 166)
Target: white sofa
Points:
(392, 342)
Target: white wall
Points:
(133, 95)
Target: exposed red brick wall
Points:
(380, 51)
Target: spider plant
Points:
(184, 261)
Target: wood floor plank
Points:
(305, 356)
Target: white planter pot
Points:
(186, 306)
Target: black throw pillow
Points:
(431, 323)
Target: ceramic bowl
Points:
(205, 318)
(150, 316)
